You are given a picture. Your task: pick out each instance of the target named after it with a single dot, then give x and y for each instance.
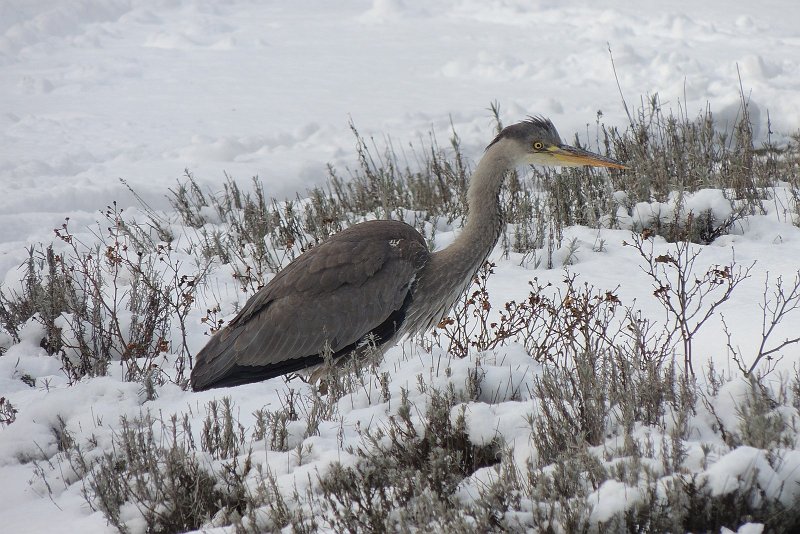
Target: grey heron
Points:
(376, 280)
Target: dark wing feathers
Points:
(335, 293)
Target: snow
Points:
(745, 463)
(747, 528)
(612, 497)
(95, 91)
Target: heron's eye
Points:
(538, 145)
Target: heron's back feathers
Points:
(335, 295)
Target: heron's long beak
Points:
(569, 156)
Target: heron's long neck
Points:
(484, 220)
(450, 271)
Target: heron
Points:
(376, 281)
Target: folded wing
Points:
(355, 284)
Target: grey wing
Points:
(333, 295)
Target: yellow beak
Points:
(569, 156)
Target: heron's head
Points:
(536, 142)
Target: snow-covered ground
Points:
(94, 91)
